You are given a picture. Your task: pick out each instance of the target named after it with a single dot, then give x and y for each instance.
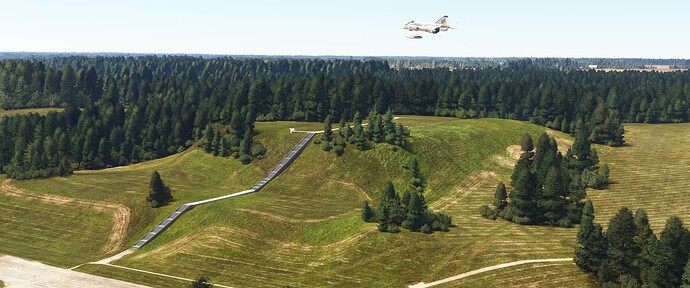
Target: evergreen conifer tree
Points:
(675, 237)
(623, 250)
(500, 197)
(366, 211)
(159, 193)
(592, 250)
(523, 207)
(415, 179)
(686, 276)
(327, 135)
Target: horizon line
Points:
(334, 55)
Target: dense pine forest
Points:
(121, 110)
(629, 254)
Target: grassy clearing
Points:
(651, 172)
(41, 111)
(61, 235)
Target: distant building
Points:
(592, 66)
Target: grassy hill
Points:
(304, 228)
(193, 175)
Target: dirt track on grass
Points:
(18, 272)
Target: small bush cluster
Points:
(409, 212)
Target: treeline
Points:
(629, 254)
(409, 211)
(133, 117)
(311, 89)
(128, 109)
(548, 187)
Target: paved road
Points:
(287, 160)
(18, 272)
(486, 269)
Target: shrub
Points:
(326, 146)
(565, 223)
(338, 150)
(201, 282)
(383, 227)
(487, 212)
(426, 229)
(593, 179)
(258, 149)
(245, 159)
(394, 229)
(438, 226)
(520, 220)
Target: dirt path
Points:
(160, 274)
(18, 272)
(121, 214)
(486, 269)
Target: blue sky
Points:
(489, 28)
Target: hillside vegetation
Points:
(304, 229)
(37, 220)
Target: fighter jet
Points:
(415, 27)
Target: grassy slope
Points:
(302, 230)
(561, 274)
(128, 275)
(192, 175)
(51, 233)
(651, 172)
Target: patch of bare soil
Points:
(512, 155)
(121, 214)
(563, 144)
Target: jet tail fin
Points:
(443, 20)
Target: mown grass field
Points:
(62, 235)
(561, 274)
(127, 275)
(304, 228)
(41, 111)
(192, 175)
(652, 172)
